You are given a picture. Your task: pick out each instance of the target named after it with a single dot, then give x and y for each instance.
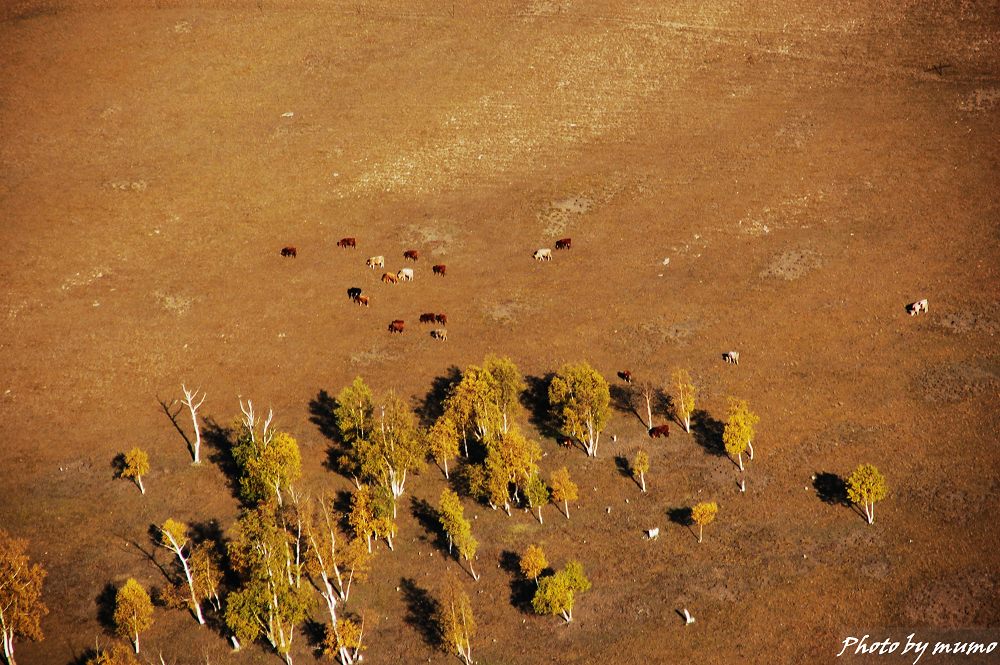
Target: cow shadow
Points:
(431, 406)
(421, 611)
(427, 516)
(831, 489)
(707, 432)
(535, 399)
(522, 590)
(219, 442)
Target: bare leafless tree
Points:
(190, 397)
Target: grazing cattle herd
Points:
(541, 254)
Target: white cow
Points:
(440, 333)
(376, 262)
(652, 534)
(732, 357)
(405, 275)
(544, 254)
(915, 308)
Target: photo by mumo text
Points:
(912, 646)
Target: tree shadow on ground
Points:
(625, 398)
(172, 415)
(315, 633)
(105, 601)
(707, 432)
(421, 611)
(682, 517)
(321, 414)
(623, 466)
(219, 443)
(535, 399)
(431, 406)
(831, 488)
(427, 517)
(522, 590)
(118, 466)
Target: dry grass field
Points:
(808, 168)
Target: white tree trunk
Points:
(189, 400)
(740, 457)
(566, 505)
(8, 644)
(540, 521)
(649, 410)
(138, 480)
(687, 423)
(446, 468)
(187, 573)
(137, 641)
(750, 448)
(642, 478)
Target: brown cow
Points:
(427, 318)
(625, 376)
(362, 300)
(442, 319)
(397, 326)
(289, 251)
(353, 292)
(564, 243)
(658, 431)
(347, 242)
(440, 269)
(411, 254)
(566, 442)
(389, 278)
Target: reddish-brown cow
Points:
(289, 251)
(564, 243)
(362, 300)
(659, 431)
(441, 318)
(427, 318)
(397, 326)
(625, 376)
(440, 269)
(389, 278)
(347, 242)
(411, 254)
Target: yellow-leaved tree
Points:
(580, 400)
(703, 514)
(173, 536)
(133, 612)
(640, 466)
(739, 432)
(684, 396)
(533, 562)
(564, 489)
(21, 607)
(866, 486)
(136, 466)
(456, 621)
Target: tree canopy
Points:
(580, 400)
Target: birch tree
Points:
(193, 402)
(173, 536)
(556, 594)
(533, 562)
(739, 432)
(866, 486)
(580, 399)
(703, 514)
(442, 442)
(136, 466)
(564, 489)
(362, 515)
(207, 573)
(345, 639)
(684, 398)
(456, 621)
(268, 603)
(332, 557)
(538, 494)
(354, 411)
(640, 466)
(269, 461)
(21, 606)
(133, 612)
(508, 386)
